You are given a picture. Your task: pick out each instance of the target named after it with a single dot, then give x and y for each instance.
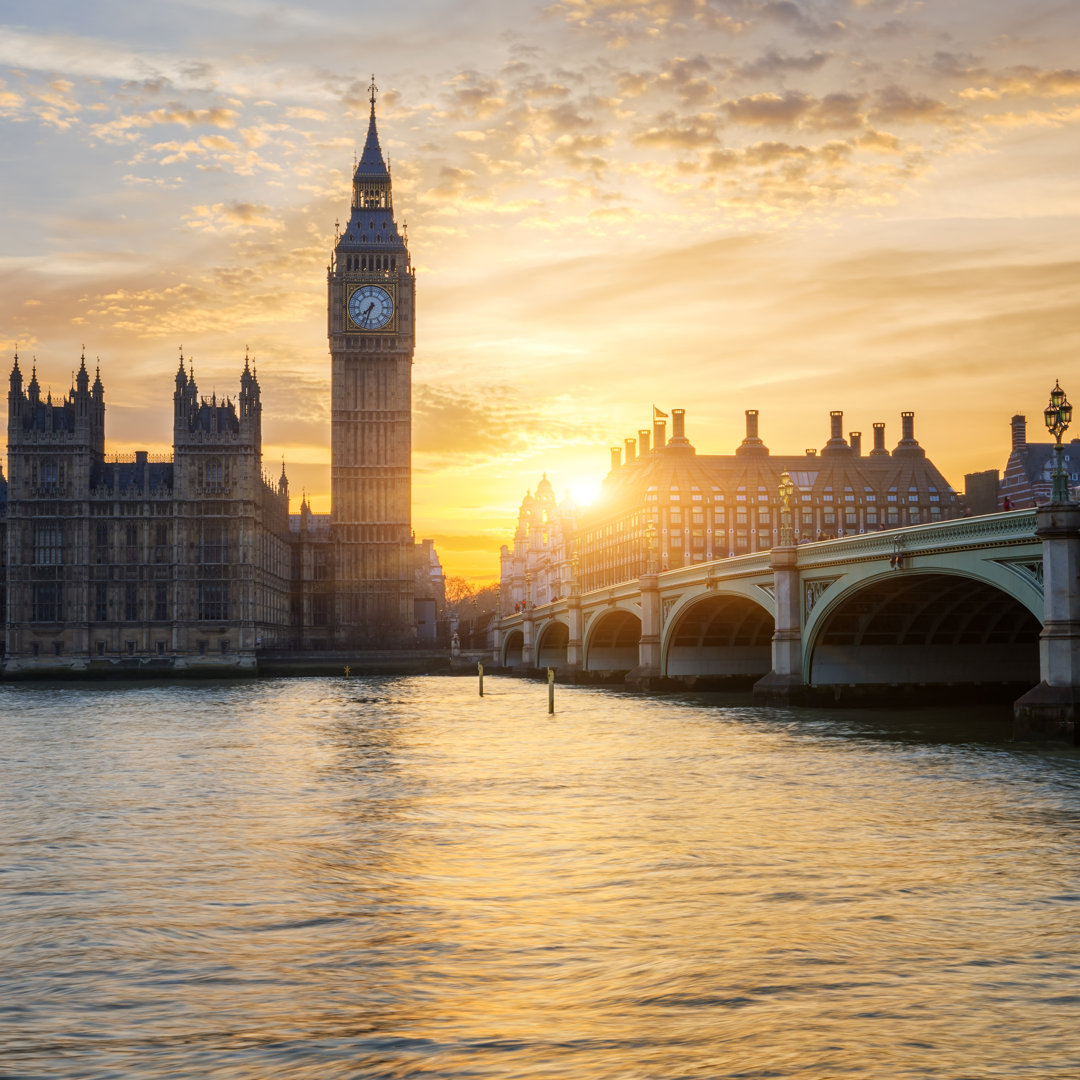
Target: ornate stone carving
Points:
(814, 589)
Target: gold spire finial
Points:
(373, 89)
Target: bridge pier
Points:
(1050, 710)
(573, 645)
(528, 633)
(784, 684)
(648, 672)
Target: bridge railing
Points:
(1016, 526)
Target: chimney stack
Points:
(1019, 432)
(752, 444)
(631, 449)
(855, 438)
(643, 441)
(879, 440)
(678, 425)
(659, 438)
(908, 444)
(836, 443)
(616, 457)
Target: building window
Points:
(850, 518)
(58, 648)
(871, 515)
(161, 648)
(50, 474)
(202, 648)
(101, 648)
(47, 545)
(161, 603)
(47, 602)
(101, 543)
(131, 602)
(320, 610)
(213, 601)
(214, 542)
(131, 544)
(215, 474)
(718, 515)
(130, 646)
(224, 646)
(161, 543)
(763, 515)
(101, 603)
(808, 516)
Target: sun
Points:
(584, 491)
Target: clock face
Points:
(371, 307)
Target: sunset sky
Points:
(716, 205)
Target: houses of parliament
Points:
(193, 561)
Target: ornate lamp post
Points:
(1058, 416)
(786, 491)
(651, 547)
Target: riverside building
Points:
(704, 506)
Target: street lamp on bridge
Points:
(1058, 416)
(786, 490)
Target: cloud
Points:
(457, 423)
(894, 104)
(772, 64)
(230, 217)
(769, 109)
(124, 127)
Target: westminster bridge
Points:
(990, 602)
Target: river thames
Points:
(326, 878)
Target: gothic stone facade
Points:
(140, 565)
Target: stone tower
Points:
(371, 326)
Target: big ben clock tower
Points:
(371, 316)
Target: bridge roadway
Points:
(956, 603)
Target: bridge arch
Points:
(551, 644)
(611, 641)
(718, 635)
(511, 648)
(927, 626)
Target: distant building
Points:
(706, 507)
(981, 492)
(537, 565)
(1028, 472)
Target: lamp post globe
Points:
(1058, 416)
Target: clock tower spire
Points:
(371, 287)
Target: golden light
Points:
(584, 490)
